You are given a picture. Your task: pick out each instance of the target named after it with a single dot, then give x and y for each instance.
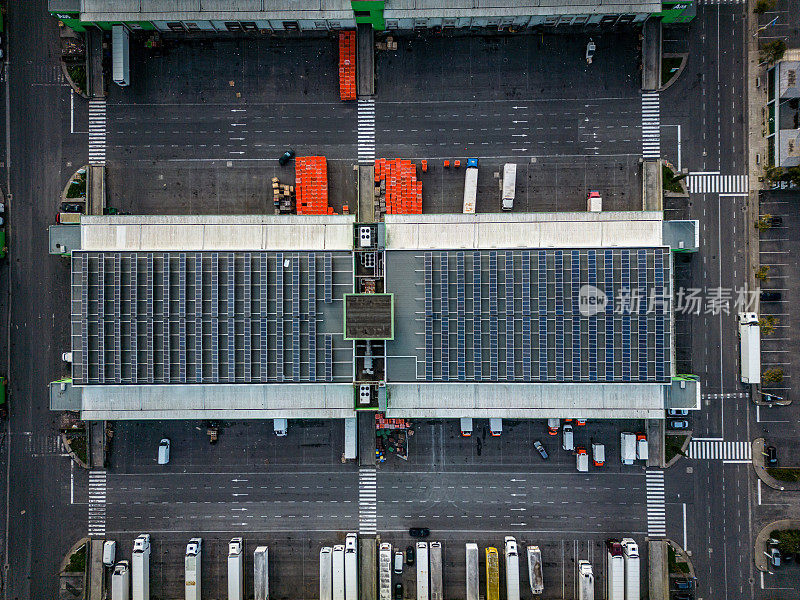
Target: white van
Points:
(567, 443)
(496, 427)
(163, 451)
(398, 563)
(109, 552)
(280, 426)
(466, 426)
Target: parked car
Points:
(109, 552)
(774, 556)
(776, 220)
(72, 207)
(540, 449)
(410, 556)
(678, 424)
(567, 440)
(163, 451)
(552, 426)
(678, 412)
(772, 456)
(580, 422)
(682, 596)
(684, 584)
(787, 557)
(398, 563)
(419, 532)
(767, 296)
(286, 157)
(398, 591)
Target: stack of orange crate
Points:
(403, 191)
(347, 65)
(311, 186)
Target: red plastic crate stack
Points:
(403, 191)
(311, 186)
(347, 65)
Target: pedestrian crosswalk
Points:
(97, 503)
(366, 131)
(43, 444)
(651, 125)
(720, 450)
(728, 396)
(720, 1)
(714, 183)
(97, 132)
(656, 505)
(367, 501)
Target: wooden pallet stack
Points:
(397, 190)
(347, 65)
(311, 182)
(282, 197)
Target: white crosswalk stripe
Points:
(97, 132)
(367, 501)
(714, 183)
(656, 505)
(366, 131)
(43, 444)
(720, 1)
(729, 395)
(720, 450)
(651, 125)
(97, 503)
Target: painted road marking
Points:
(97, 503)
(651, 125)
(97, 132)
(367, 501)
(719, 450)
(366, 131)
(656, 504)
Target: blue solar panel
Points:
(279, 306)
(312, 316)
(198, 321)
(134, 349)
(477, 321)
(559, 281)
(262, 308)
(328, 357)
(592, 276)
(328, 277)
(625, 282)
(444, 281)
(493, 343)
(575, 284)
(526, 315)
(644, 294)
(461, 356)
(101, 309)
(608, 275)
(231, 319)
(428, 260)
(509, 307)
(214, 317)
(247, 310)
(660, 310)
(542, 310)
(295, 317)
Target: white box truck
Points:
(512, 568)
(326, 573)
(750, 348)
(141, 567)
(585, 580)
(435, 557)
(121, 581)
(630, 551)
(338, 572)
(535, 570)
(350, 438)
(509, 185)
(385, 572)
(423, 590)
(615, 580)
(470, 186)
(496, 427)
(642, 451)
(466, 426)
(261, 573)
(192, 569)
(581, 459)
(120, 55)
(351, 567)
(235, 569)
(627, 444)
(473, 582)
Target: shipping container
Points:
(120, 55)
(261, 573)
(121, 581)
(236, 569)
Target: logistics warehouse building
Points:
(497, 315)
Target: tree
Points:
(767, 325)
(762, 273)
(772, 52)
(763, 6)
(773, 174)
(793, 175)
(788, 540)
(764, 222)
(772, 375)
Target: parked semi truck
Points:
(470, 186)
(615, 580)
(338, 572)
(120, 55)
(193, 574)
(492, 574)
(385, 572)
(535, 569)
(326, 573)
(472, 572)
(121, 581)
(140, 572)
(630, 551)
(350, 438)
(423, 570)
(437, 585)
(509, 185)
(512, 568)
(235, 569)
(585, 580)
(351, 567)
(750, 348)
(627, 444)
(261, 573)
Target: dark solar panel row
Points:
(608, 275)
(559, 303)
(214, 323)
(149, 323)
(542, 310)
(526, 316)
(477, 322)
(444, 284)
(312, 316)
(328, 277)
(575, 283)
(462, 310)
(118, 320)
(295, 318)
(101, 333)
(279, 306)
(231, 314)
(134, 268)
(85, 311)
(165, 350)
(509, 308)
(262, 309)
(493, 327)
(428, 258)
(328, 357)
(643, 292)
(660, 292)
(625, 282)
(592, 276)
(247, 313)
(198, 322)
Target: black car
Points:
(419, 532)
(776, 220)
(682, 596)
(772, 456)
(286, 157)
(410, 556)
(684, 584)
(770, 296)
(398, 591)
(71, 207)
(540, 449)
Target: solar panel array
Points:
(209, 317)
(539, 324)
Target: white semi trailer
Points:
(512, 569)
(351, 567)
(326, 573)
(121, 581)
(473, 582)
(435, 557)
(261, 573)
(423, 570)
(338, 572)
(385, 572)
(630, 550)
(141, 567)
(585, 580)
(535, 570)
(236, 569)
(192, 569)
